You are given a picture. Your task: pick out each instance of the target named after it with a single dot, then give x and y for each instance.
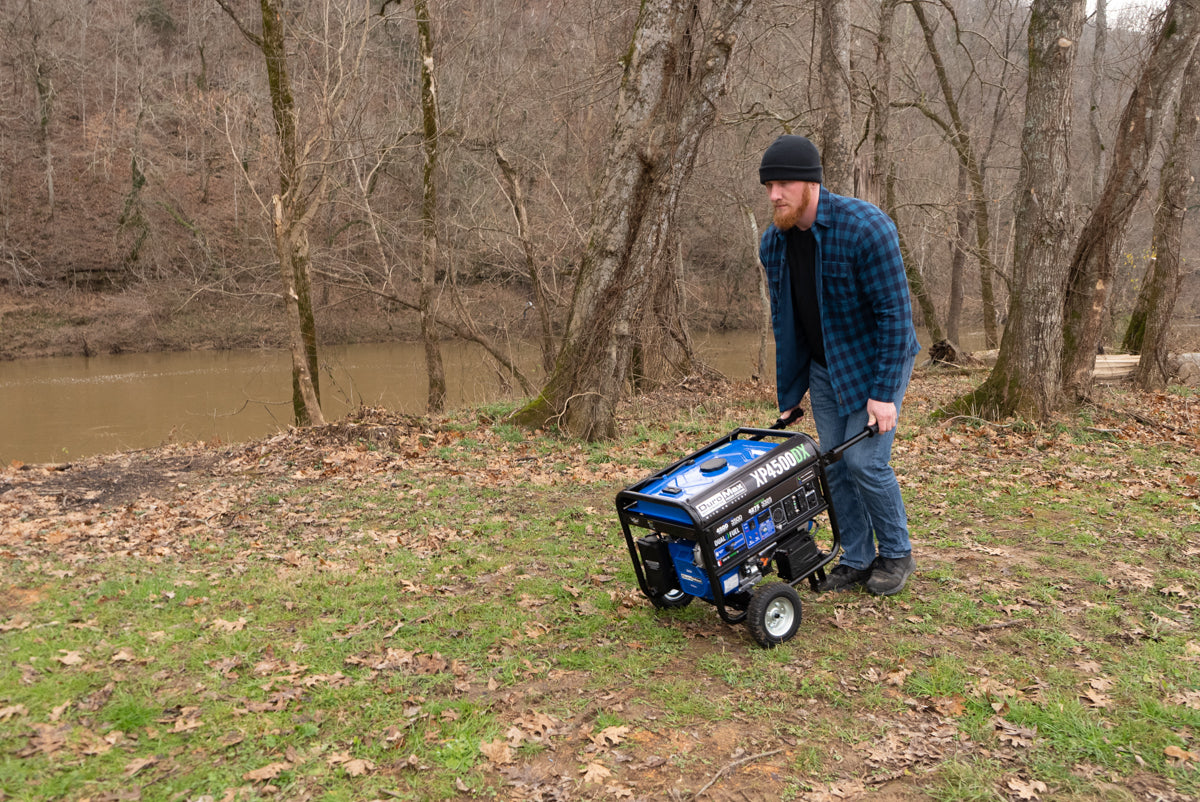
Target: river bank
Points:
(45, 322)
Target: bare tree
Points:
(303, 175)
(764, 298)
(675, 70)
(431, 143)
(1026, 378)
(541, 297)
(958, 257)
(1093, 264)
(1096, 97)
(837, 155)
(959, 134)
(1151, 319)
(34, 40)
(884, 167)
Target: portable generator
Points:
(717, 522)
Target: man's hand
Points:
(883, 413)
(789, 417)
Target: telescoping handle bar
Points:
(834, 454)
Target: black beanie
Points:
(790, 158)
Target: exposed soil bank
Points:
(64, 322)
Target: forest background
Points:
(138, 159)
(158, 603)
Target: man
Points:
(843, 334)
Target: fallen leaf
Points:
(1027, 790)
(1014, 734)
(123, 656)
(183, 724)
(896, 678)
(952, 706)
(498, 752)
(231, 739)
(358, 767)
(69, 658)
(610, 736)
(268, 772)
(134, 766)
(354, 766)
(222, 625)
(13, 710)
(594, 773)
(1179, 755)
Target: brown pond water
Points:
(54, 410)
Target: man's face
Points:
(792, 202)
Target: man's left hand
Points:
(883, 413)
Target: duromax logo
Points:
(721, 499)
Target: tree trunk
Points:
(291, 236)
(884, 168)
(306, 405)
(1095, 258)
(665, 106)
(290, 212)
(1160, 288)
(960, 138)
(764, 299)
(1096, 93)
(837, 157)
(1025, 380)
(958, 257)
(668, 337)
(429, 237)
(541, 299)
(43, 85)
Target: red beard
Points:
(785, 217)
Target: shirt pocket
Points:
(838, 282)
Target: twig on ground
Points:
(974, 419)
(734, 765)
(998, 625)
(1142, 419)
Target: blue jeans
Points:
(866, 496)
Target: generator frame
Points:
(792, 492)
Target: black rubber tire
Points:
(774, 614)
(672, 600)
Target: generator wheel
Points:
(774, 614)
(671, 600)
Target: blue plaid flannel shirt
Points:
(862, 292)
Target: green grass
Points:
(407, 617)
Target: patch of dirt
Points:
(113, 481)
(165, 502)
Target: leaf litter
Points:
(177, 503)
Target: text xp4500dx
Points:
(716, 523)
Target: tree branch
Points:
(254, 38)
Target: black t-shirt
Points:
(802, 260)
